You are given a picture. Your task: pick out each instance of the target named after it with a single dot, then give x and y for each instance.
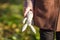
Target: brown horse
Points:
(46, 14)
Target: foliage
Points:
(11, 16)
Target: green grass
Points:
(11, 16)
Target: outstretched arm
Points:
(29, 7)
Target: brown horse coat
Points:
(58, 25)
(46, 14)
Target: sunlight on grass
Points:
(11, 17)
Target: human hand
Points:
(27, 10)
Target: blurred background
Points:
(11, 16)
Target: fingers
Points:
(27, 10)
